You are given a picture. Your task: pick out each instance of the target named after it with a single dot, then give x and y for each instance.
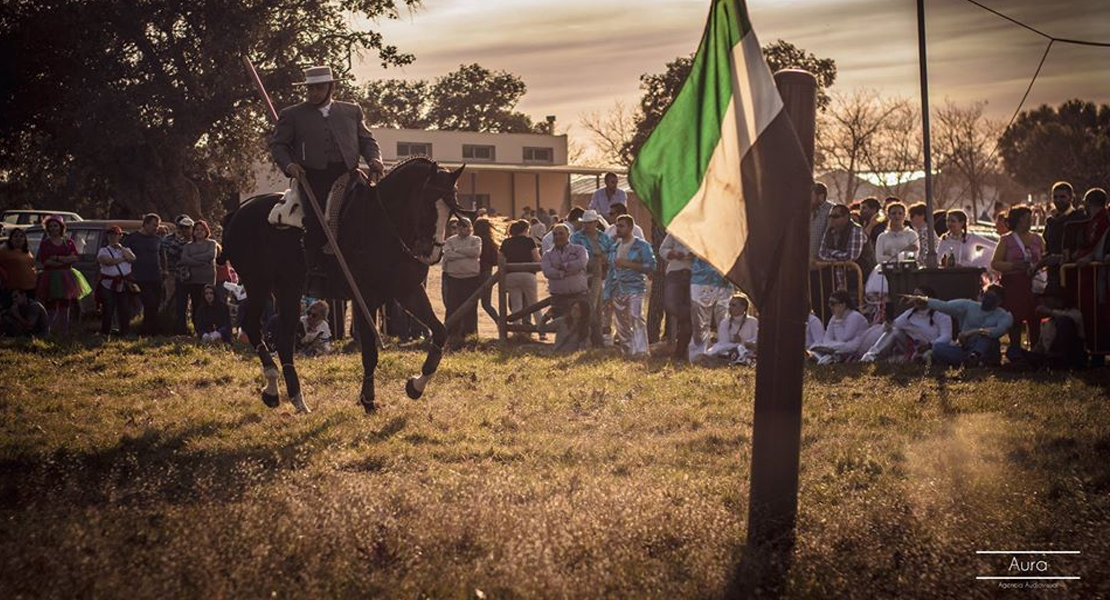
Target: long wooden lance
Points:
(355, 291)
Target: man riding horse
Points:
(320, 141)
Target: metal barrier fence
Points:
(827, 277)
(1088, 288)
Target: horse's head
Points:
(433, 201)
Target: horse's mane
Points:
(419, 158)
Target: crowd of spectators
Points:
(598, 272)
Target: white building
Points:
(505, 172)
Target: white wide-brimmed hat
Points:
(590, 216)
(319, 74)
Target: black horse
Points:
(388, 235)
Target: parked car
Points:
(22, 219)
(89, 237)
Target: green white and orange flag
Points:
(718, 168)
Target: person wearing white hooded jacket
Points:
(913, 333)
(843, 334)
(737, 333)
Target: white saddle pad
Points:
(289, 212)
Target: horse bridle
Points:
(443, 195)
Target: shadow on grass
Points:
(154, 467)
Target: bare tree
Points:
(611, 132)
(895, 152)
(848, 133)
(965, 141)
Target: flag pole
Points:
(931, 242)
(780, 370)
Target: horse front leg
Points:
(418, 305)
(368, 340)
(289, 314)
(252, 326)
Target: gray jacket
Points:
(200, 258)
(299, 136)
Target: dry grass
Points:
(145, 469)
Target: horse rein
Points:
(452, 206)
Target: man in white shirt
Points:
(461, 269)
(607, 196)
(615, 211)
(676, 292)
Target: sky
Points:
(582, 56)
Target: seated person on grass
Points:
(313, 333)
(26, 317)
(982, 324)
(844, 333)
(913, 333)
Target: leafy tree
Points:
(660, 89)
(128, 106)
(472, 98)
(396, 103)
(1070, 142)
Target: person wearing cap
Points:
(318, 142)
(175, 277)
(115, 276)
(597, 246)
(462, 269)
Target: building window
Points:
(539, 155)
(474, 152)
(473, 201)
(406, 149)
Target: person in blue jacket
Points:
(630, 261)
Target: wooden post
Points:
(777, 424)
(502, 301)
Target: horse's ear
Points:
(458, 172)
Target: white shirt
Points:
(671, 243)
(915, 323)
(460, 256)
(815, 330)
(844, 334)
(976, 251)
(636, 232)
(109, 271)
(320, 335)
(601, 202)
(325, 109)
(734, 332)
(890, 243)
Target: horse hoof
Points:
(271, 400)
(299, 405)
(410, 389)
(369, 407)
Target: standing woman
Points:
(17, 269)
(59, 284)
(483, 229)
(115, 278)
(969, 249)
(521, 248)
(199, 257)
(1018, 258)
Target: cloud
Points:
(579, 56)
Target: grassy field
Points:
(151, 469)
